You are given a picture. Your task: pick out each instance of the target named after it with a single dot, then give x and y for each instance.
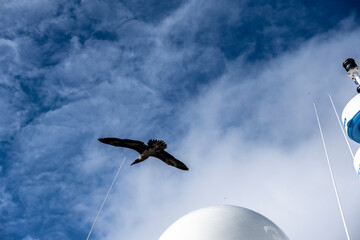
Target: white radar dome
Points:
(223, 223)
(351, 118)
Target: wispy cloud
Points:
(29, 238)
(230, 92)
(255, 143)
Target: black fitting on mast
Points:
(349, 64)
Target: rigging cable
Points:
(342, 129)
(331, 173)
(102, 205)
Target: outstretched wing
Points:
(170, 160)
(136, 145)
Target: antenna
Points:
(353, 71)
(342, 129)
(331, 173)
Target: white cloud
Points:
(29, 238)
(248, 135)
(255, 143)
(5, 200)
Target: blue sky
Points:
(228, 85)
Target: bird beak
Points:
(135, 162)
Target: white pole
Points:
(331, 173)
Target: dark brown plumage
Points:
(154, 148)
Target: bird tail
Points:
(159, 144)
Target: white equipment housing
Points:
(223, 222)
(351, 121)
(351, 118)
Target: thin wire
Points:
(331, 173)
(342, 129)
(102, 205)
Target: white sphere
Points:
(223, 223)
(351, 118)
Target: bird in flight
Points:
(154, 148)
